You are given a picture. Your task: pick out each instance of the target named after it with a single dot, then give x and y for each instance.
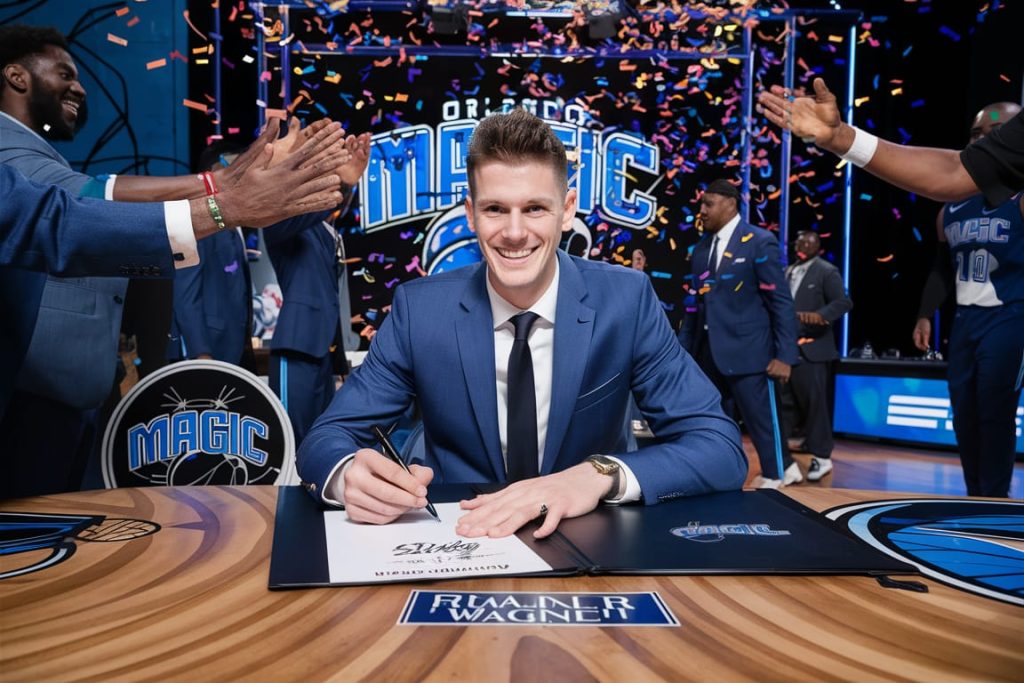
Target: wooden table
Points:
(191, 603)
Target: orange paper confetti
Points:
(156, 64)
(117, 40)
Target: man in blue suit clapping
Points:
(522, 367)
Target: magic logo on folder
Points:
(548, 609)
(713, 533)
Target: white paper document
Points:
(415, 547)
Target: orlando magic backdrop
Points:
(649, 115)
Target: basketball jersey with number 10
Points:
(987, 246)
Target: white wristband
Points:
(862, 149)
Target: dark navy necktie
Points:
(713, 260)
(521, 430)
(709, 281)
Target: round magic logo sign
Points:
(199, 422)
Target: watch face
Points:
(604, 465)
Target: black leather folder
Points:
(739, 532)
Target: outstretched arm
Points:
(928, 171)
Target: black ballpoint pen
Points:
(392, 454)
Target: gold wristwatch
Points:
(606, 465)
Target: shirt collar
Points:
(805, 265)
(502, 310)
(8, 116)
(725, 234)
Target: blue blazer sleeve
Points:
(777, 299)
(698, 448)
(379, 391)
(46, 229)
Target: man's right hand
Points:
(923, 334)
(305, 181)
(809, 118)
(378, 491)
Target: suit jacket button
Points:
(118, 299)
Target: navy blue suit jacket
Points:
(43, 230)
(303, 252)
(212, 301)
(611, 339)
(748, 308)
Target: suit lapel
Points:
(474, 331)
(734, 248)
(574, 327)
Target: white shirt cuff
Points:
(108, 187)
(333, 492)
(632, 492)
(178, 219)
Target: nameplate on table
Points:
(542, 609)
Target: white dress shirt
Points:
(542, 348)
(724, 235)
(542, 352)
(796, 274)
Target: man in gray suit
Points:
(69, 366)
(820, 300)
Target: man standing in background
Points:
(743, 330)
(213, 300)
(307, 349)
(820, 300)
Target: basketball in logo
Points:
(199, 422)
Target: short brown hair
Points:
(514, 138)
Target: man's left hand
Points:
(358, 147)
(778, 370)
(811, 318)
(570, 493)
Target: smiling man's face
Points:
(57, 99)
(518, 214)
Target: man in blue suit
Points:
(68, 368)
(213, 300)
(307, 344)
(743, 330)
(522, 367)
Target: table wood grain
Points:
(191, 603)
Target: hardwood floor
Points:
(882, 467)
